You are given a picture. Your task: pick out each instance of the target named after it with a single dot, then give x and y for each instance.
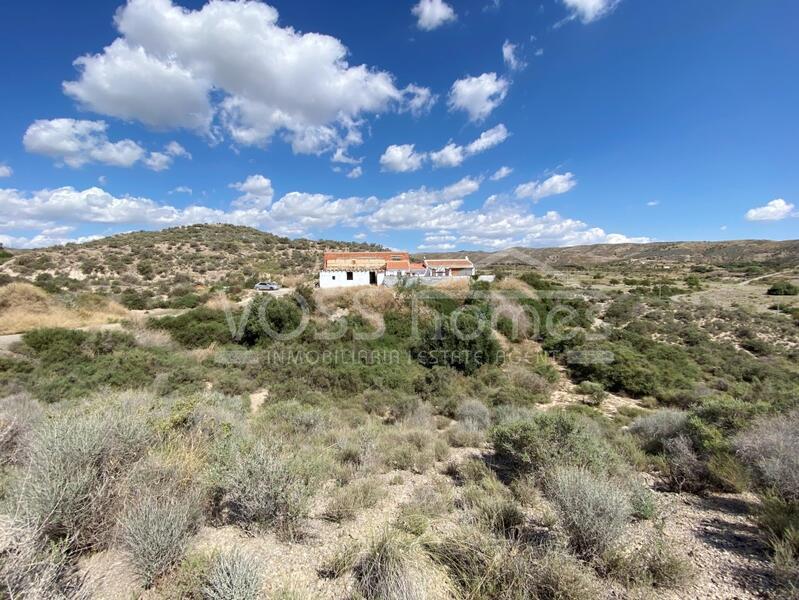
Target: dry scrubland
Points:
(139, 462)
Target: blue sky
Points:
(432, 125)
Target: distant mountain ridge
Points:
(776, 253)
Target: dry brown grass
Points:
(24, 307)
(365, 300)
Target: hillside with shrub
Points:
(581, 433)
(172, 261)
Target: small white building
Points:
(350, 269)
(330, 278)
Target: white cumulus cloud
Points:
(590, 10)
(76, 142)
(478, 96)
(453, 155)
(229, 68)
(401, 158)
(6, 171)
(256, 191)
(776, 210)
(552, 186)
(432, 14)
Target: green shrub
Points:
(594, 393)
(783, 288)
(593, 511)
(154, 531)
(473, 413)
(269, 318)
(346, 502)
(552, 438)
(395, 567)
(265, 487)
(69, 484)
(652, 564)
(233, 575)
(465, 344)
(197, 328)
(654, 429)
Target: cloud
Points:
(340, 156)
(176, 150)
(590, 10)
(653, 203)
(478, 96)
(432, 14)
(77, 142)
(6, 171)
(355, 173)
(181, 189)
(776, 210)
(230, 69)
(554, 185)
(501, 173)
(401, 159)
(422, 208)
(257, 192)
(509, 56)
(55, 236)
(418, 100)
(453, 155)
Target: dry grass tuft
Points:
(396, 567)
(24, 307)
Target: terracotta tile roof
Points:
(417, 266)
(451, 263)
(366, 261)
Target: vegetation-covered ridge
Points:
(205, 254)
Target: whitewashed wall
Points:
(331, 279)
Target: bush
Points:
(395, 567)
(483, 568)
(196, 328)
(233, 575)
(653, 563)
(474, 414)
(18, 414)
(154, 531)
(465, 344)
(265, 487)
(347, 501)
(33, 568)
(656, 428)
(593, 512)
(771, 449)
(70, 481)
(594, 393)
(552, 438)
(783, 288)
(270, 317)
(685, 469)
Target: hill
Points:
(227, 255)
(736, 252)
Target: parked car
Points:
(267, 286)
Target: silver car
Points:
(267, 286)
